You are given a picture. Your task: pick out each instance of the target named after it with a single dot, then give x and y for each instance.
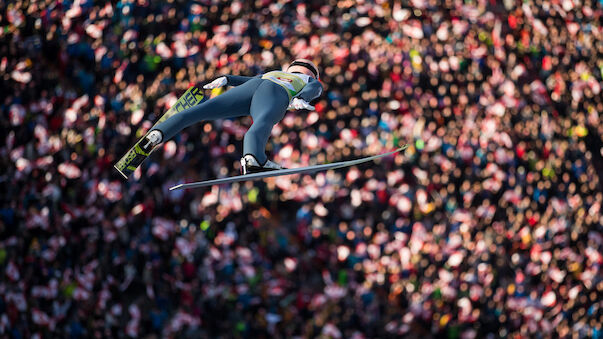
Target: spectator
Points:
(489, 226)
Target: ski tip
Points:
(403, 147)
(176, 187)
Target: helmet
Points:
(306, 64)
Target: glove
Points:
(219, 82)
(298, 103)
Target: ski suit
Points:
(265, 97)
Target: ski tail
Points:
(136, 155)
(130, 162)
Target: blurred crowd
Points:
(488, 226)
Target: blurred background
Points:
(488, 226)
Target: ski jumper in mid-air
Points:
(265, 97)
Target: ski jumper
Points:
(265, 97)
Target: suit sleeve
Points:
(311, 91)
(236, 80)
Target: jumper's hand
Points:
(219, 82)
(299, 103)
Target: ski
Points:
(288, 171)
(136, 155)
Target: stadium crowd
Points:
(488, 226)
